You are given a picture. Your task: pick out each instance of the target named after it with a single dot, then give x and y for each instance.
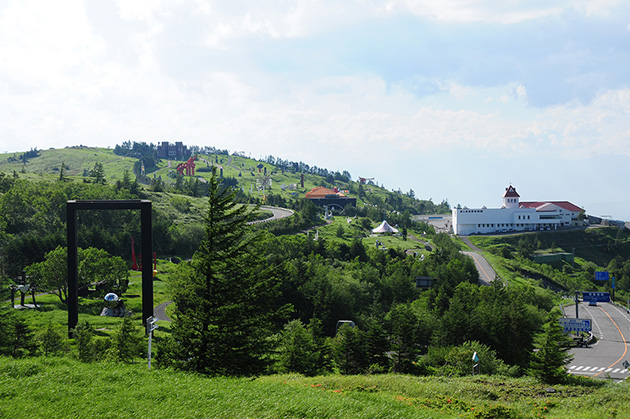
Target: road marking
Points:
(479, 264)
(623, 339)
(594, 321)
(591, 370)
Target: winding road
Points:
(277, 212)
(486, 273)
(605, 359)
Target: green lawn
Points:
(352, 231)
(62, 387)
(52, 310)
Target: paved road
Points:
(604, 359)
(277, 212)
(486, 273)
(160, 311)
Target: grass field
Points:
(62, 388)
(79, 159)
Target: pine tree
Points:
(349, 346)
(296, 349)
(128, 343)
(99, 173)
(84, 336)
(16, 337)
(224, 298)
(50, 341)
(548, 363)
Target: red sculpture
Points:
(134, 265)
(189, 166)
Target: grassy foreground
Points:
(62, 387)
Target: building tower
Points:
(510, 197)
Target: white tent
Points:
(384, 228)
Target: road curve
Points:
(160, 311)
(605, 358)
(277, 212)
(486, 273)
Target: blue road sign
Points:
(579, 325)
(602, 276)
(600, 297)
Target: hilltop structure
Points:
(177, 151)
(516, 216)
(325, 197)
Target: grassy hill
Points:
(76, 161)
(598, 245)
(79, 161)
(596, 248)
(61, 387)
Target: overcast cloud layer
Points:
(453, 99)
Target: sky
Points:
(453, 99)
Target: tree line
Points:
(251, 303)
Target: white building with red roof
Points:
(515, 215)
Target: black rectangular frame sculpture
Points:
(73, 259)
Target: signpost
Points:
(578, 325)
(151, 326)
(475, 367)
(602, 276)
(599, 297)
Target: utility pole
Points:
(577, 302)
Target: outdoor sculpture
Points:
(114, 306)
(188, 166)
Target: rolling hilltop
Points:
(281, 179)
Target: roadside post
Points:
(577, 304)
(151, 325)
(476, 363)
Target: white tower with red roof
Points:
(510, 197)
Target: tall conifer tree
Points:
(224, 298)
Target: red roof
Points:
(511, 192)
(562, 204)
(321, 192)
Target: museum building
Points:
(516, 216)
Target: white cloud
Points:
(43, 41)
(62, 83)
(498, 11)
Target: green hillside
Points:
(283, 182)
(595, 249)
(77, 160)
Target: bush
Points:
(50, 341)
(457, 361)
